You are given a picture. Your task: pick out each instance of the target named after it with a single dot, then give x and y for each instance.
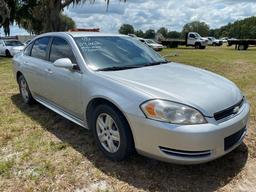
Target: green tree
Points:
(163, 31)
(150, 34)
(40, 15)
(66, 23)
(196, 26)
(173, 35)
(139, 33)
(126, 29)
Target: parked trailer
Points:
(192, 39)
(173, 43)
(242, 44)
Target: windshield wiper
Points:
(115, 68)
(156, 63)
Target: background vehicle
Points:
(10, 47)
(192, 39)
(214, 42)
(151, 43)
(242, 44)
(224, 39)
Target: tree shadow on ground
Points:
(140, 172)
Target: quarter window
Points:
(39, 49)
(27, 51)
(61, 49)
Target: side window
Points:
(1, 42)
(27, 51)
(39, 49)
(61, 49)
(192, 36)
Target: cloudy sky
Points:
(145, 14)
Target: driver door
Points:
(191, 39)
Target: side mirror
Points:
(64, 63)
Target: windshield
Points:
(13, 43)
(116, 52)
(197, 35)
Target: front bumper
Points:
(204, 43)
(188, 144)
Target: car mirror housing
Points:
(64, 63)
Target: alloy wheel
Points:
(108, 133)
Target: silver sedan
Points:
(131, 98)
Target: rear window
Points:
(40, 47)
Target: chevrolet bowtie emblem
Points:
(236, 109)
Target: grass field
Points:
(41, 151)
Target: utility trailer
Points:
(242, 44)
(173, 43)
(192, 39)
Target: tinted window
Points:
(61, 49)
(27, 51)
(39, 49)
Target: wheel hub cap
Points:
(108, 133)
(23, 88)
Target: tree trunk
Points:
(52, 19)
(4, 12)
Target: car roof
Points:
(86, 34)
(83, 34)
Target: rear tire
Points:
(112, 133)
(242, 47)
(24, 91)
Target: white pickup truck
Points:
(192, 39)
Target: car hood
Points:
(206, 91)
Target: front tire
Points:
(112, 133)
(197, 45)
(24, 90)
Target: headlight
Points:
(172, 112)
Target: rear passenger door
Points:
(35, 63)
(63, 85)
